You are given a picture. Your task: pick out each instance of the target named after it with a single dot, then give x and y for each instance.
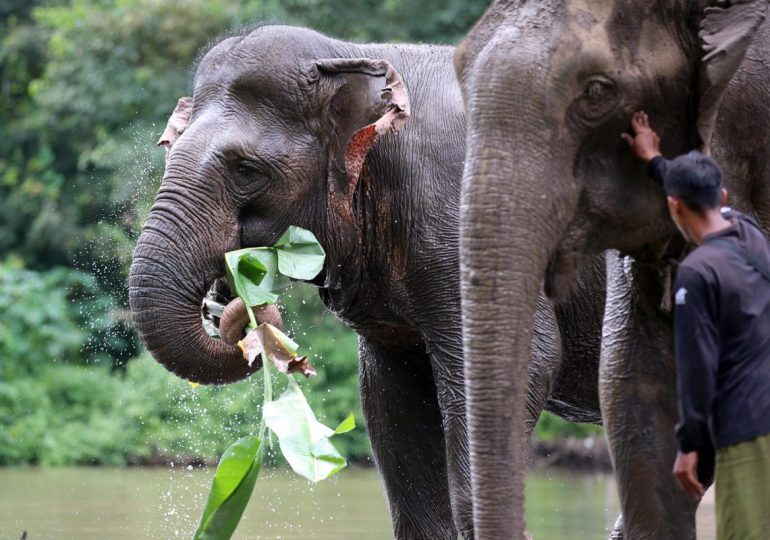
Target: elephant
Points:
(549, 88)
(289, 127)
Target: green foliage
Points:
(447, 21)
(73, 414)
(300, 255)
(58, 316)
(256, 273)
(550, 427)
(333, 350)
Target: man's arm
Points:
(697, 357)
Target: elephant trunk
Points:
(179, 254)
(516, 202)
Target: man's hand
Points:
(686, 473)
(645, 144)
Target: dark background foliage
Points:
(86, 87)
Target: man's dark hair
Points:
(695, 179)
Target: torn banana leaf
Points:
(267, 340)
(304, 441)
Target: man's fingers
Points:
(628, 138)
(695, 483)
(640, 122)
(690, 484)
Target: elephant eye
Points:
(250, 175)
(598, 88)
(244, 167)
(598, 99)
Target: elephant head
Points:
(549, 87)
(276, 133)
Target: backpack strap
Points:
(759, 265)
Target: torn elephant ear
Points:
(369, 99)
(726, 34)
(177, 123)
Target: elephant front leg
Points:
(448, 375)
(399, 402)
(637, 389)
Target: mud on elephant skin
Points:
(549, 87)
(289, 127)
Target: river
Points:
(164, 503)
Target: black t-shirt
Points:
(722, 337)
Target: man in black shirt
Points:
(722, 338)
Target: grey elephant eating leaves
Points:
(289, 127)
(549, 87)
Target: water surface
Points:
(165, 503)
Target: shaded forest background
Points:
(86, 87)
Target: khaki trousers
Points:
(743, 490)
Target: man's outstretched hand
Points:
(686, 473)
(645, 143)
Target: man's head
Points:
(693, 184)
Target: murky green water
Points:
(101, 503)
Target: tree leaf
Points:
(263, 260)
(300, 256)
(348, 424)
(231, 489)
(301, 365)
(303, 439)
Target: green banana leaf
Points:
(255, 274)
(304, 441)
(300, 256)
(231, 489)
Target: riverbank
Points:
(586, 454)
(590, 454)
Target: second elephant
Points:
(559, 173)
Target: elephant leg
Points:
(637, 390)
(445, 351)
(404, 423)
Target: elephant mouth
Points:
(213, 306)
(224, 316)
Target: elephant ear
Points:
(369, 100)
(176, 124)
(726, 32)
